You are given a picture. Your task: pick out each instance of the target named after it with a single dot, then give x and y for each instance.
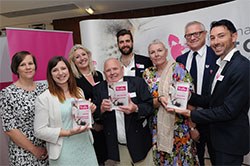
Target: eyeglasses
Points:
(195, 34)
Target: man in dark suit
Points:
(126, 129)
(134, 64)
(229, 100)
(205, 58)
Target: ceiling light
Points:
(89, 10)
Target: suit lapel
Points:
(137, 70)
(208, 70)
(227, 66)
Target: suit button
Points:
(108, 133)
(136, 131)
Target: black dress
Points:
(99, 137)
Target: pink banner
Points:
(42, 43)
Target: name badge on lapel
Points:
(220, 78)
(132, 94)
(140, 66)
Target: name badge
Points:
(140, 66)
(132, 94)
(220, 78)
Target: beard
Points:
(126, 52)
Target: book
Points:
(82, 113)
(178, 95)
(118, 94)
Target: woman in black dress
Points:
(87, 77)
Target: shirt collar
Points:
(227, 58)
(201, 51)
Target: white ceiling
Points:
(100, 7)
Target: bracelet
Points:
(158, 99)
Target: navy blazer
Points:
(209, 67)
(139, 139)
(228, 108)
(141, 63)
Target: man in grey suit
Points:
(134, 64)
(126, 129)
(228, 103)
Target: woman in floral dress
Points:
(172, 143)
(17, 106)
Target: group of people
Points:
(38, 117)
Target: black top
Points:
(86, 86)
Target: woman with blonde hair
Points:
(82, 65)
(172, 143)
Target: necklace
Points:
(86, 75)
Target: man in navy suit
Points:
(229, 99)
(126, 129)
(195, 35)
(134, 64)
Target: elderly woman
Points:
(172, 143)
(17, 105)
(80, 59)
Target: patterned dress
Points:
(184, 151)
(17, 108)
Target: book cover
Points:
(178, 95)
(81, 112)
(118, 93)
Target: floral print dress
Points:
(17, 108)
(184, 151)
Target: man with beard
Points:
(134, 65)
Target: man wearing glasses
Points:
(200, 61)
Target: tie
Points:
(193, 70)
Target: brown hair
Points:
(57, 90)
(123, 32)
(18, 58)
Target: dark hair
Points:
(18, 58)
(57, 90)
(123, 32)
(226, 23)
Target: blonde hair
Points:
(71, 60)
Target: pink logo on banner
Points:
(42, 43)
(175, 47)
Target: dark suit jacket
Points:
(139, 140)
(139, 61)
(228, 108)
(209, 67)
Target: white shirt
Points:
(222, 63)
(130, 69)
(201, 62)
(120, 124)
